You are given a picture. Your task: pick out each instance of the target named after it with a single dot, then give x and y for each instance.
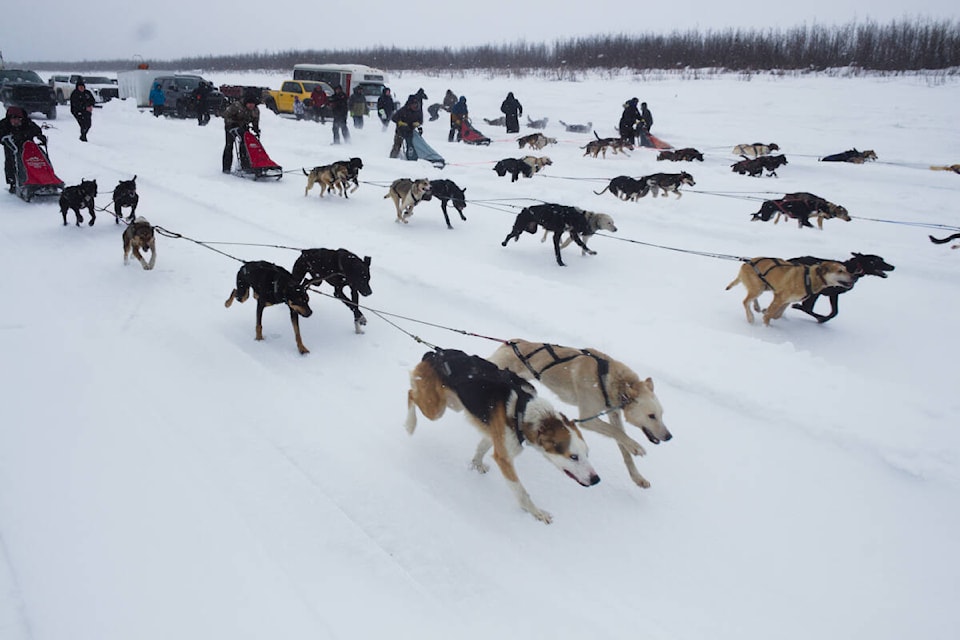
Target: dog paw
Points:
(634, 448)
(479, 467)
(542, 516)
(641, 481)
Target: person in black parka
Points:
(512, 109)
(81, 106)
(628, 121)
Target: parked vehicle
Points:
(282, 101)
(27, 90)
(102, 87)
(178, 89)
(371, 81)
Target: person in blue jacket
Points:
(157, 99)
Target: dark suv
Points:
(178, 90)
(25, 89)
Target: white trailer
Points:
(137, 83)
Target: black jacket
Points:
(338, 104)
(511, 106)
(80, 100)
(408, 116)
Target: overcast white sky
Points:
(108, 29)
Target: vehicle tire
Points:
(60, 98)
(271, 103)
(52, 113)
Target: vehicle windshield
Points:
(98, 80)
(310, 86)
(371, 89)
(13, 75)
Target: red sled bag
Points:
(255, 162)
(34, 173)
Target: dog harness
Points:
(441, 362)
(807, 284)
(603, 365)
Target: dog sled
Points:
(253, 161)
(470, 135)
(33, 172)
(647, 139)
(416, 148)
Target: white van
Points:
(371, 81)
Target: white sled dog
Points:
(598, 385)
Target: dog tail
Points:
(599, 193)
(944, 240)
(596, 136)
(735, 282)
(304, 171)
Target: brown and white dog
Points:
(600, 146)
(535, 141)
(139, 236)
(507, 412)
(536, 163)
(406, 194)
(599, 386)
(789, 282)
(330, 177)
(755, 150)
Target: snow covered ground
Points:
(164, 475)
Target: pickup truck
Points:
(282, 101)
(103, 89)
(25, 89)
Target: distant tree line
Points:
(904, 45)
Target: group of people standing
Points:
(636, 122)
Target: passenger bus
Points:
(371, 81)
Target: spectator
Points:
(458, 116)
(157, 99)
(297, 108)
(512, 109)
(237, 118)
(408, 118)
(338, 106)
(449, 99)
(385, 107)
(319, 99)
(201, 97)
(81, 106)
(646, 117)
(629, 120)
(15, 129)
(358, 107)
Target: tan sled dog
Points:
(406, 194)
(507, 412)
(790, 282)
(599, 386)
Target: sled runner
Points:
(34, 173)
(416, 148)
(470, 135)
(253, 161)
